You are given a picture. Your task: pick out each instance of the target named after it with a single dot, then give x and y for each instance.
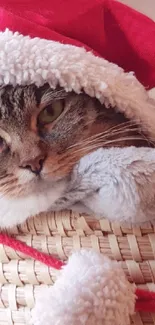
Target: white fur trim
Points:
(24, 61)
(92, 290)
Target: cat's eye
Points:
(51, 112)
(3, 145)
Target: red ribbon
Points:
(145, 299)
(30, 251)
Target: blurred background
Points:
(147, 7)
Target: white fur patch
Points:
(16, 211)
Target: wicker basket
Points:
(59, 234)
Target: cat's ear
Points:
(143, 173)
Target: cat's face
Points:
(43, 133)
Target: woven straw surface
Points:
(59, 234)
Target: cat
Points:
(43, 134)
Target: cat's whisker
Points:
(123, 139)
(5, 175)
(104, 135)
(8, 181)
(148, 140)
(99, 144)
(121, 124)
(87, 148)
(116, 132)
(10, 190)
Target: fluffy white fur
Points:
(116, 183)
(91, 290)
(24, 61)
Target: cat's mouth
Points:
(28, 183)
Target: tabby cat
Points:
(43, 133)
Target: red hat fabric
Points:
(82, 46)
(109, 28)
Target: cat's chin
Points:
(15, 211)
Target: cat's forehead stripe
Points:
(13, 100)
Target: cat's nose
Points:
(34, 165)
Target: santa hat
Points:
(82, 46)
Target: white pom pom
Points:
(91, 290)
